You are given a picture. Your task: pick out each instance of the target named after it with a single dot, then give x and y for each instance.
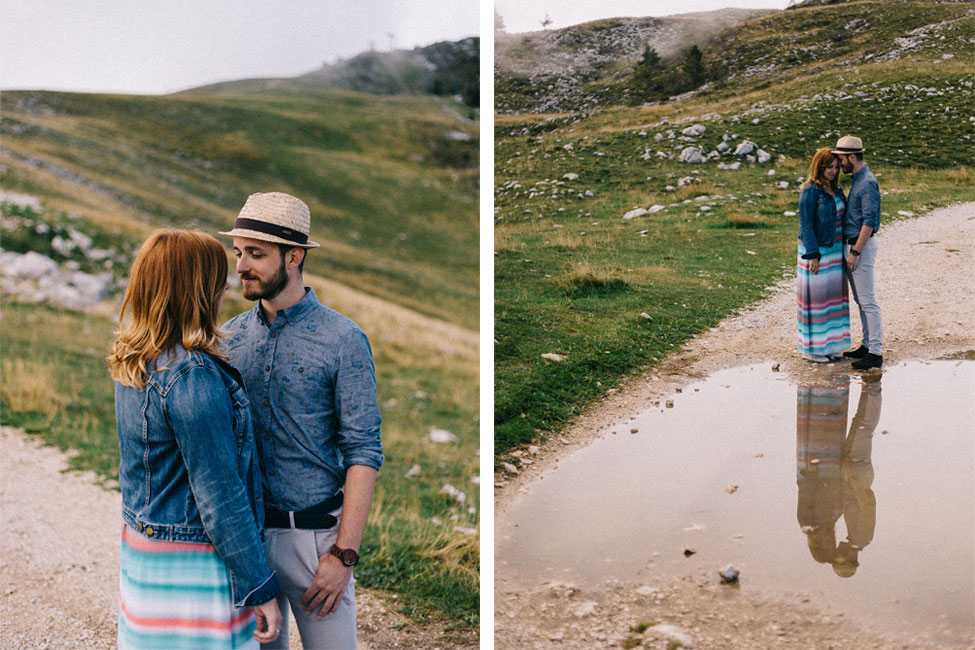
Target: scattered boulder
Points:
(571, 177)
(745, 148)
(694, 130)
(692, 155)
(729, 574)
(638, 212)
(553, 356)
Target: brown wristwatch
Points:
(854, 251)
(348, 556)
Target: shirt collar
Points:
(862, 169)
(295, 311)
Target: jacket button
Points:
(141, 528)
(150, 531)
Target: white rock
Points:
(783, 185)
(731, 166)
(692, 155)
(552, 356)
(638, 212)
(905, 213)
(465, 531)
(413, 471)
(655, 208)
(723, 147)
(695, 130)
(450, 490)
(570, 176)
(745, 148)
(771, 172)
(442, 436)
(568, 147)
(788, 213)
(763, 156)
(510, 469)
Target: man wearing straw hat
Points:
(860, 224)
(311, 383)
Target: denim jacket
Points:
(189, 470)
(817, 219)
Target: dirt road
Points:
(925, 289)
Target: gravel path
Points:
(59, 534)
(925, 289)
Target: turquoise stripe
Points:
(177, 589)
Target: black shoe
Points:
(859, 353)
(867, 362)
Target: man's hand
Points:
(269, 621)
(328, 586)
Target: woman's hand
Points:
(814, 266)
(268, 621)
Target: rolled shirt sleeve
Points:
(356, 403)
(870, 207)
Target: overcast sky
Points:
(527, 15)
(155, 46)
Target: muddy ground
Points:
(925, 289)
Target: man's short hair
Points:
(858, 155)
(284, 248)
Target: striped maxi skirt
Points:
(823, 314)
(176, 596)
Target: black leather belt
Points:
(853, 240)
(315, 517)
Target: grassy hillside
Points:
(392, 186)
(391, 181)
(614, 295)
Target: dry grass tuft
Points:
(740, 219)
(586, 276)
(28, 387)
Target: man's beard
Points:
(267, 289)
(847, 167)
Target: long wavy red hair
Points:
(174, 290)
(821, 159)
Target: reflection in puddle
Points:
(835, 473)
(872, 516)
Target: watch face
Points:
(349, 557)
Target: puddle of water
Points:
(860, 494)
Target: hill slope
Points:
(391, 181)
(622, 231)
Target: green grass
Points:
(573, 278)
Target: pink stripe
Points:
(192, 623)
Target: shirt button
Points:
(292, 320)
(274, 335)
(301, 369)
(267, 367)
(267, 436)
(267, 402)
(271, 472)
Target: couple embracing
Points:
(836, 245)
(235, 443)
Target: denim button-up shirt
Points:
(188, 466)
(312, 384)
(863, 207)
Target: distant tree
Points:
(646, 72)
(546, 21)
(693, 65)
(498, 23)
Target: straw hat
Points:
(275, 217)
(849, 144)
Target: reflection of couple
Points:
(831, 224)
(232, 503)
(834, 470)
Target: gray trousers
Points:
(293, 555)
(861, 282)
